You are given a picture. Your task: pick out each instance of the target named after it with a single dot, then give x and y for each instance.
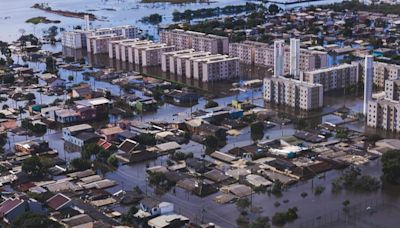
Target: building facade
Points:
(337, 77)
(293, 93)
(198, 41)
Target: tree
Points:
(300, 124)
(70, 78)
(342, 134)
(211, 142)
(273, 9)
(391, 166)
(31, 220)
(211, 104)
(260, 222)
(243, 204)
(277, 187)
(257, 130)
(242, 221)
(51, 66)
(146, 139)
(91, 149)
(113, 161)
(34, 167)
(81, 164)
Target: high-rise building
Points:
(279, 55)
(87, 22)
(368, 81)
(294, 68)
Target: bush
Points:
(354, 181)
(281, 218)
(81, 164)
(391, 166)
(211, 104)
(319, 190)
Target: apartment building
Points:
(382, 72)
(78, 39)
(262, 54)
(151, 55)
(118, 49)
(392, 89)
(99, 44)
(215, 68)
(384, 114)
(73, 39)
(127, 31)
(245, 51)
(166, 56)
(182, 64)
(293, 93)
(336, 77)
(199, 41)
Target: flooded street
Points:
(313, 210)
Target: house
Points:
(32, 146)
(65, 116)
(55, 82)
(110, 133)
(165, 221)
(50, 112)
(85, 113)
(203, 128)
(182, 97)
(79, 135)
(59, 201)
(167, 147)
(145, 105)
(101, 104)
(84, 91)
(150, 205)
(11, 208)
(128, 152)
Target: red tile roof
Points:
(9, 205)
(57, 201)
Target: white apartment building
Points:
(166, 56)
(246, 51)
(293, 93)
(215, 68)
(99, 44)
(382, 72)
(75, 39)
(182, 64)
(196, 40)
(384, 114)
(78, 39)
(392, 89)
(117, 49)
(336, 77)
(127, 31)
(262, 54)
(151, 55)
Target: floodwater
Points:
(12, 18)
(13, 14)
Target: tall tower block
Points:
(368, 81)
(294, 57)
(87, 22)
(279, 48)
